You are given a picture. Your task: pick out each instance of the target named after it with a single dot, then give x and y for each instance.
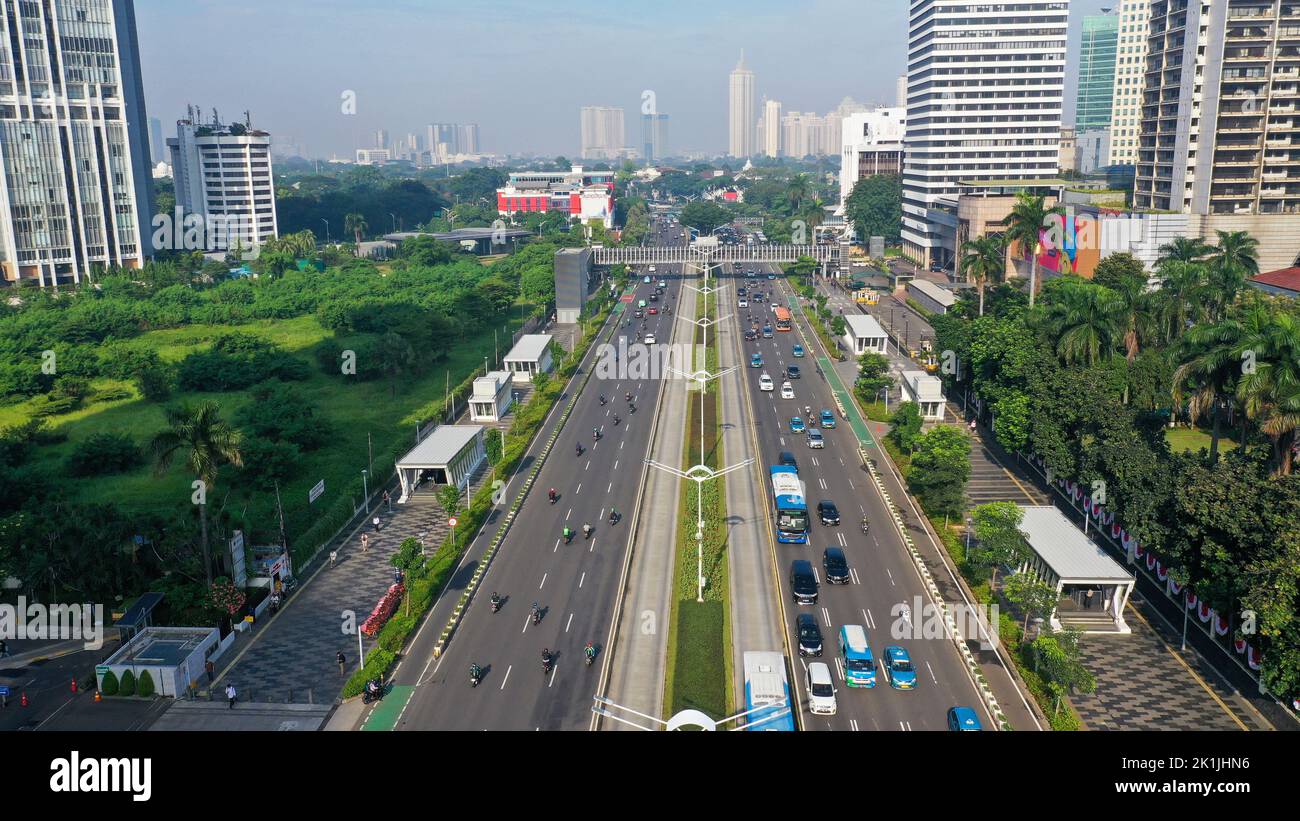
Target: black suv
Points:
(787, 459)
(837, 567)
(828, 512)
(803, 584)
(810, 634)
(792, 372)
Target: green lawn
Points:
(1193, 439)
(354, 409)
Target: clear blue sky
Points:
(519, 68)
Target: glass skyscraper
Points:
(1096, 72)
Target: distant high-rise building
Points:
(443, 139)
(381, 138)
(74, 152)
(654, 137)
(223, 174)
(157, 146)
(1096, 71)
(900, 91)
(468, 134)
(772, 128)
(741, 115)
(1219, 130)
(986, 84)
(1130, 72)
(603, 137)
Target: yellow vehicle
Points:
(927, 346)
(930, 364)
(867, 297)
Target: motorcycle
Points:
(578, 450)
(474, 678)
(496, 605)
(603, 400)
(595, 434)
(552, 496)
(586, 533)
(865, 526)
(377, 695)
(537, 617)
(568, 537)
(616, 419)
(546, 666)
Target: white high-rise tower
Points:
(741, 114)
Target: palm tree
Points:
(1211, 366)
(1183, 249)
(199, 437)
(1028, 219)
(1139, 315)
(1235, 260)
(796, 191)
(1087, 322)
(983, 260)
(1182, 296)
(356, 223)
(1270, 391)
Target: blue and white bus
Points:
(790, 505)
(767, 692)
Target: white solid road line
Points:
(866, 617)
(556, 549)
(552, 676)
(579, 490)
(609, 489)
(507, 676)
(581, 580)
(568, 623)
(932, 675)
(892, 583)
(567, 515)
(826, 616)
(544, 575)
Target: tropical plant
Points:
(1182, 297)
(356, 225)
(1029, 217)
(199, 437)
(1269, 388)
(1231, 263)
(1182, 249)
(984, 260)
(1087, 321)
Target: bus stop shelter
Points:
(448, 456)
(530, 356)
(1092, 587)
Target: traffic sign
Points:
(4, 690)
(316, 491)
(451, 522)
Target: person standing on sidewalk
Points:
(388, 501)
(231, 695)
(365, 543)
(343, 662)
(211, 670)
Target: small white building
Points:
(926, 391)
(1093, 587)
(531, 355)
(173, 656)
(931, 297)
(492, 397)
(448, 456)
(864, 334)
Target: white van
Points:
(765, 383)
(821, 689)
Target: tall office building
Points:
(223, 174)
(1130, 71)
(603, 136)
(771, 144)
(1096, 71)
(442, 139)
(654, 137)
(468, 138)
(871, 144)
(381, 138)
(986, 87)
(157, 146)
(74, 153)
(741, 116)
(1220, 136)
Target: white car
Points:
(815, 439)
(821, 689)
(649, 339)
(663, 283)
(765, 383)
(743, 303)
(773, 306)
(787, 390)
(652, 269)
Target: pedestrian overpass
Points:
(698, 254)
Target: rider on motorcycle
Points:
(475, 672)
(550, 494)
(613, 515)
(590, 650)
(568, 534)
(616, 419)
(496, 599)
(586, 531)
(546, 657)
(374, 686)
(602, 399)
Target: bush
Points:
(110, 685)
(104, 453)
(128, 684)
(146, 685)
(154, 382)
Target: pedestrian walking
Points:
(343, 662)
(334, 557)
(231, 695)
(972, 426)
(210, 669)
(388, 501)
(375, 522)
(365, 542)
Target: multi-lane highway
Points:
(883, 576)
(575, 585)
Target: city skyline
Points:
(659, 51)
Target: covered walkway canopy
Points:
(1092, 587)
(448, 456)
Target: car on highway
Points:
(797, 350)
(654, 297)
(828, 512)
(663, 283)
(792, 372)
(749, 274)
(787, 390)
(741, 292)
(767, 331)
(649, 339)
(855, 657)
(899, 668)
(742, 303)
(750, 336)
(803, 582)
(827, 418)
(765, 383)
(963, 719)
(816, 440)
(809, 634)
(821, 689)
(758, 297)
(796, 424)
(787, 459)
(646, 280)
(836, 565)
(756, 361)
(653, 311)
(771, 275)
(639, 313)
